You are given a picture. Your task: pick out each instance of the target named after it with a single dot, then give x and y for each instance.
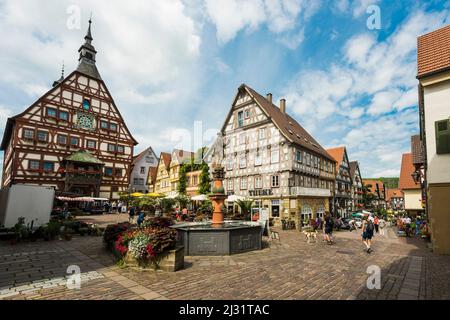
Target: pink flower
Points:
(150, 251)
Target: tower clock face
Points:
(85, 121)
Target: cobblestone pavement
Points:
(285, 269)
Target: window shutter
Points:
(442, 137)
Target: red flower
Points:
(120, 247)
(150, 251)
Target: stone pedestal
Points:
(170, 261)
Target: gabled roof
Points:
(182, 156)
(83, 156)
(165, 157)
(433, 52)
(394, 193)
(287, 125)
(354, 165)
(406, 180)
(139, 156)
(338, 155)
(417, 150)
(152, 172)
(373, 185)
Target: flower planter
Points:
(170, 261)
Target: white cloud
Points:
(5, 113)
(282, 17)
(149, 45)
(373, 79)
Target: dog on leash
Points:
(311, 236)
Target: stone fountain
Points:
(218, 237)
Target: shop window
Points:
(443, 136)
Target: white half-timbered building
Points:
(270, 158)
(73, 137)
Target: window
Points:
(242, 138)
(258, 182)
(298, 156)
(42, 136)
(63, 115)
(443, 137)
(244, 183)
(240, 119)
(104, 125)
(275, 156)
(33, 164)
(120, 149)
(242, 161)
(258, 159)
(91, 144)
(49, 166)
(108, 172)
(316, 162)
(111, 147)
(302, 181)
(142, 170)
(62, 139)
(230, 163)
(51, 112)
(275, 181)
(308, 159)
(262, 133)
(86, 104)
(230, 184)
(28, 134)
(113, 126)
(247, 114)
(114, 188)
(74, 141)
(118, 173)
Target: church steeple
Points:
(87, 52)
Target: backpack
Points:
(370, 226)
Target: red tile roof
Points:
(406, 181)
(338, 155)
(433, 52)
(166, 157)
(287, 125)
(152, 172)
(394, 193)
(373, 185)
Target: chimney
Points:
(269, 97)
(283, 105)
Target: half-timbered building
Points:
(269, 157)
(72, 138)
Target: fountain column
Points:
(218, 195)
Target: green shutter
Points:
(442, 137)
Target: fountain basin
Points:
(227, 238)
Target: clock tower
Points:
(72, 138)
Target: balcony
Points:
(311, 192)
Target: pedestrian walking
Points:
(368, 227)
(375, 222)
(119, 207)
(131, 214)
(329, 229)
(382, 226)
(141, 216)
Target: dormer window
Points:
(86, 104)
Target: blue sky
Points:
(171, 63)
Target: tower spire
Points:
(87, 52)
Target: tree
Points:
(182, 182)
(167, 204)
(182, 200)
(246, 207)
(368, 197)
(205, 180)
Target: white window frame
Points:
(258, 159)
(242, 161)
(274, 152)
(262, 133)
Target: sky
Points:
(347, 69)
